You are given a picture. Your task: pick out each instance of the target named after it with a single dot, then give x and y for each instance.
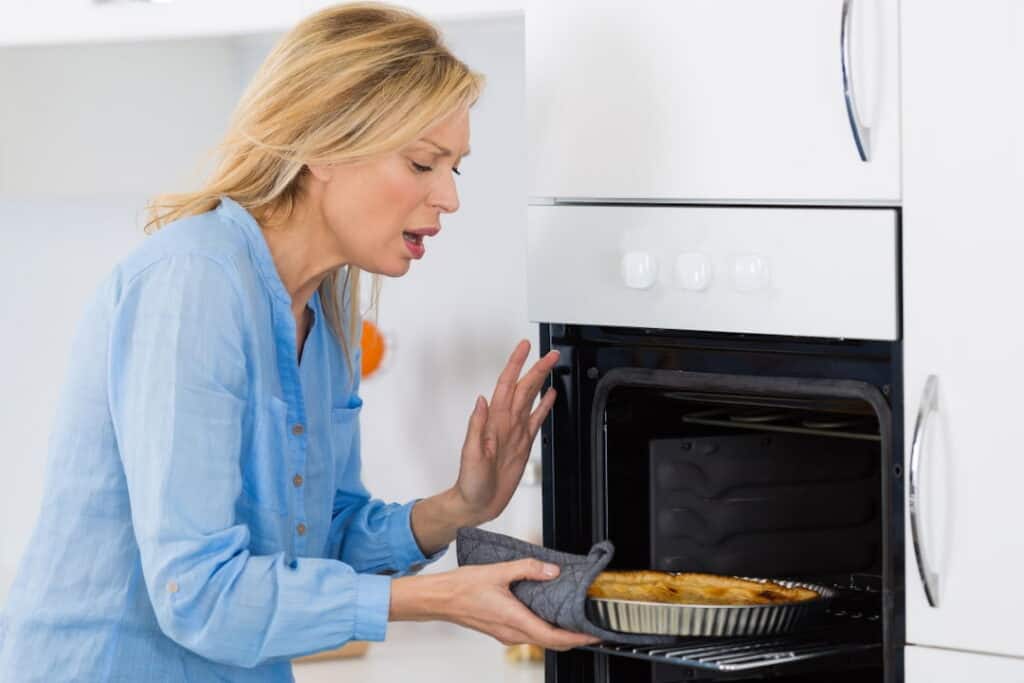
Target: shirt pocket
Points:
(345, 427)
(265, 466)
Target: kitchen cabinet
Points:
(928, 665)
(962, 243)
(713, 100)
(61, 21)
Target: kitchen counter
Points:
(431, 652)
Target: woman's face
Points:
(383, 212)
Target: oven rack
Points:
(719, 417)
(738, 655)
(852, 630)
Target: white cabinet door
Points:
(713, 100)
(927, 665)
(963, 244)
(61, 21)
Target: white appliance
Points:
(836, 169)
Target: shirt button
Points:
(297, 480)
(301, 529)
(172, 586)
(297, 430)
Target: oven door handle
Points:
(928, 407)
(861, 133)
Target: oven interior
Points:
(748, 485)
(750, 455)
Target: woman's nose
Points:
(445, 195)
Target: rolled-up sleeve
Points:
(178, 396)
(373, 536)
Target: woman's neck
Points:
(304, 252)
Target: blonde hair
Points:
(346, 84)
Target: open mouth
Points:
(413, 238)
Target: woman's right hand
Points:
(478, 597)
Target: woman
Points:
(204, 518)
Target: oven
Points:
(726, 390)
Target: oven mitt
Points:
(560, 601)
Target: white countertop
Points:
(430, 652)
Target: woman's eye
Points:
(456, 171)
(420, 168)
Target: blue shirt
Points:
(204, 518)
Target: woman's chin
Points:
(397, 269)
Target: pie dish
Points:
(694, 589)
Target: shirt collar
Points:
(238, 215)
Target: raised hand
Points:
(500, 435)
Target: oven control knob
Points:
(639, 270)
(693, 271)
(750, 273)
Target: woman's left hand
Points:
(500, 435)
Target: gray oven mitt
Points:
(561, 601)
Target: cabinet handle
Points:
(929, 404)
(861, 133)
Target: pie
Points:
(693, 589)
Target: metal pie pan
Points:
(670, 619)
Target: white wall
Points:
(130, 120)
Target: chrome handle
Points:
(861, 133)
(929, 404)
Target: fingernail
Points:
(551, 569)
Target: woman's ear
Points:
(322, 172)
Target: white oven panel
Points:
(812, 272)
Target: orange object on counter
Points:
(524, 652)
(373, 347)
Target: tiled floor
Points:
(425, 653)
